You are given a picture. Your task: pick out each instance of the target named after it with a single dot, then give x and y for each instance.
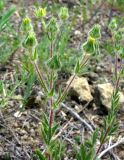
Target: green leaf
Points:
(51, 93)
(54, 63)
(56, 149)
(77, 67)
(49, 134)
(34, 55)
(95, 136)
(54, 128)
(40, 155)
(82, 152)
(6, 17)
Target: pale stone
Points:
(81, 89)
(104, 94)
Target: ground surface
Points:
(20, 136)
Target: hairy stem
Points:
(40, 77)
(51, 86)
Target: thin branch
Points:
(111, 147)
(77, 116)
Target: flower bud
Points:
(40, 12)
(30, 40)
(52, 28)
(113, 24)
(89, 46)
(63, 13)
(26, 25)
(95, 32)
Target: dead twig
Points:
(77, 116)
(111, 147)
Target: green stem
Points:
(84, 61)
(41, 80)
(51, 85)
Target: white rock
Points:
(77, 33)
(81, 89)
(121, 100)
(17, 114)
(104, 94)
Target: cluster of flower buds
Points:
(30, 37)
(51, 28)
(94, 34)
